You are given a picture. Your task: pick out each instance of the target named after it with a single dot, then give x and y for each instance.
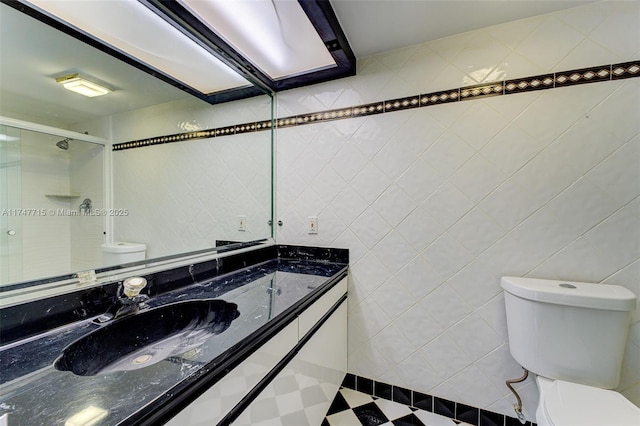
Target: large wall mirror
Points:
(148, 171)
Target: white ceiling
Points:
(30, 56)
(374, 26)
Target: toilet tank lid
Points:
(123, 247)
(571, 293)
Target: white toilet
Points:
(572, 336)
(120, 252)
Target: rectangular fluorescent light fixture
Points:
(81, 85)
(275, 35)
(133, 29)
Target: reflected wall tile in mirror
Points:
(205, 186)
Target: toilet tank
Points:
(120, 252)
(569, 331)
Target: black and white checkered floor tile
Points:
(352, 408)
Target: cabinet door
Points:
(212, 405)
(313, 313)
(303, 391)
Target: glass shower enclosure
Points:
(10, 199)
(51, 192)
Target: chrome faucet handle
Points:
(140, 301)
(132, 286)
(135, 300)
(128, 300)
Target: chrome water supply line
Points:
(517, 407)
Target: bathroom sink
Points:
(147, 337)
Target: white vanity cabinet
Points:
(290, 380)
(303, 391)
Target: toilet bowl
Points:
(571, 404)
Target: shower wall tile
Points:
(46, 240)
(447, 197)
(87, 178)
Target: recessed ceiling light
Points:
(81, 85)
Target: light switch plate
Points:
(313, 224)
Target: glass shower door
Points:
(10, 204)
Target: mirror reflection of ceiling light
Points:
(133, 29)
(89, 416)
(217, 50)
(81, 85)
(275, 35)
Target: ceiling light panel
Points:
(135, 30)
(83, 86)
(275, 35)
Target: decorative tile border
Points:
(436, 98)
(478, 91)
(481, 91)
(368, 109)
(625, 70)
(201, 134)
(402, 103)
(454, 410)
(585, 75)
(528, 84)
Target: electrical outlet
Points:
(242, 223)
(313, 224)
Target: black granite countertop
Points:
(34, 392)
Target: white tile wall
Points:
(435, 204)
(184, 196)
